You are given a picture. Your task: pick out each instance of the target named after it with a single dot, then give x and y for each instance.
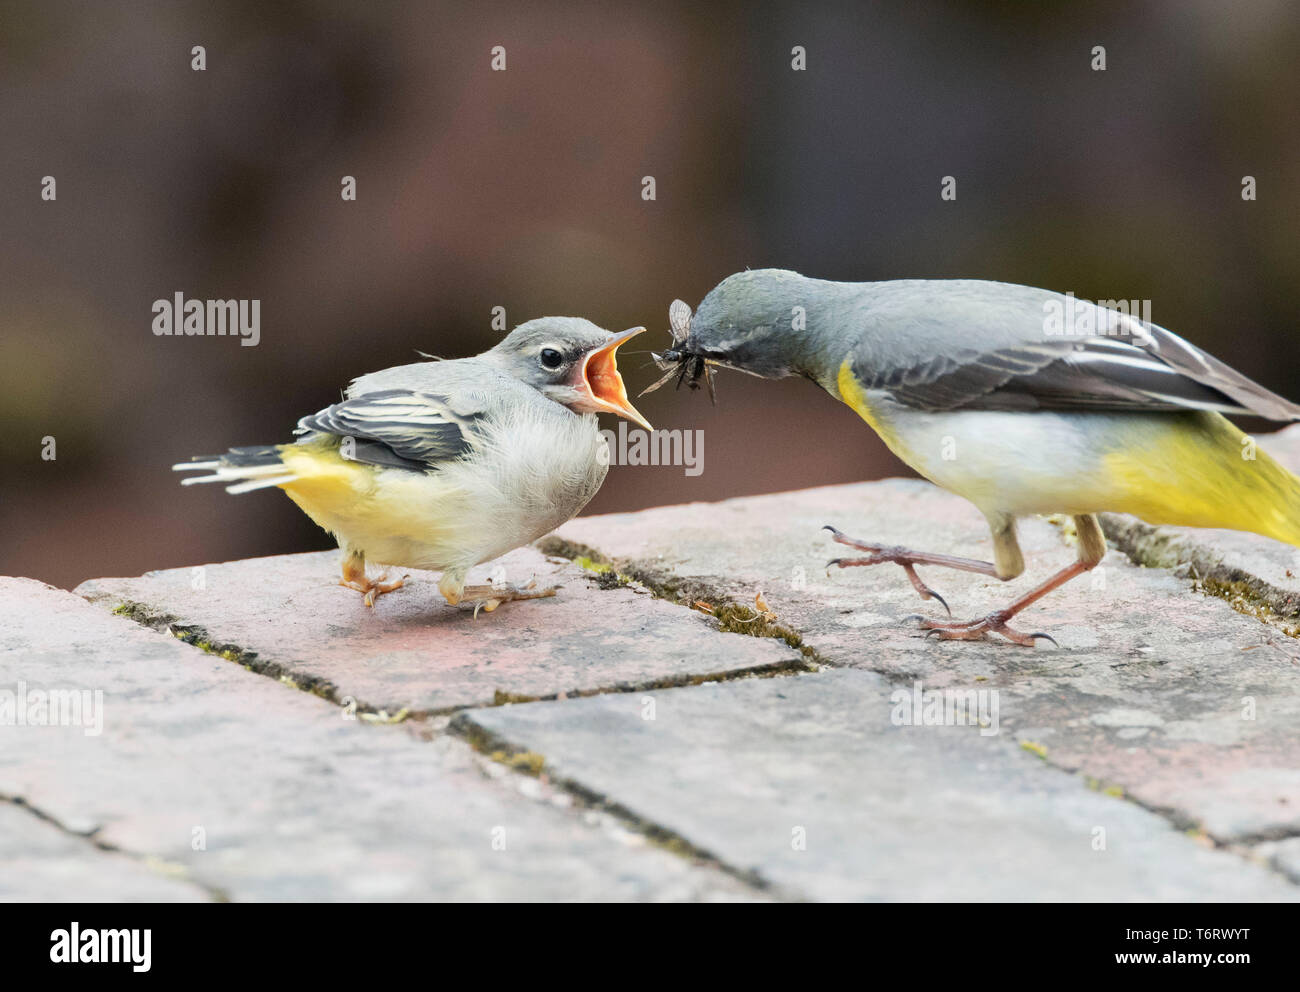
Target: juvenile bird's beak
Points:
(603, 384)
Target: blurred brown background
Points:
(522, 189)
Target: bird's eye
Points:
(551, 359)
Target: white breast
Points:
(536, 466)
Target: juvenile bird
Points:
(443, 465)
(1020, 400)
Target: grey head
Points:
(756, 322)
(569, 360)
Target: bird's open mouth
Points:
(601, 377)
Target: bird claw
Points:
(942, 602)
(488, 597)
(977, 630)
(879, 554)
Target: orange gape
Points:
(603, 378)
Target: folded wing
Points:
(1130, 365)
(397, 428)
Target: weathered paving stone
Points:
(39, 862)
(748, 769)
(1186, 704)
(258, 792)
(1283, 855)
(413, 651)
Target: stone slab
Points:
(40, 862)
(413, 651)
(260, 792)
(807, 782)
(1217, 692)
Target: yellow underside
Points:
(1205, 473)
(328, 488)
(1191, 469)
(388, 516)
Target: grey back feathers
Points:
(965, 344)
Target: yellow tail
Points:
(1198, 470)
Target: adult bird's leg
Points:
(880, 554)
(488, 598)
(354, 577)
(1092, 549)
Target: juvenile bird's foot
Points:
(372, 587)
(488, 598)
(354, 577)
(975, 630)
(879, 554)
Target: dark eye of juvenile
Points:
(551, 358)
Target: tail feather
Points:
(249, 468)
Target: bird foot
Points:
(880, 554)
(370, 588)
(488, 598)
(976, 630)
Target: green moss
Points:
(144, 615)
(500, 698)
(1064, 523)
(1245, 598)
(558, 547)
(736, 618)
(1035, 748)
(528, 762)
(382, 716)
(1248, 594)
(198, 637)
(1096, 785)
(731, 617)
(496, 749)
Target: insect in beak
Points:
(679, 362)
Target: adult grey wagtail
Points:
(1020, 400)
(443, 465)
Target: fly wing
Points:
(679, 320)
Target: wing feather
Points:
(395, 427)
(1141, 367)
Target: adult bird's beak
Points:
(601, 380)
